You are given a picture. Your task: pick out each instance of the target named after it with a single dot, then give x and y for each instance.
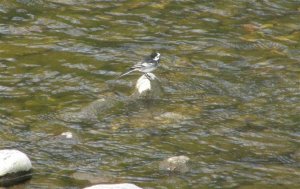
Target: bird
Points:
(147, 66)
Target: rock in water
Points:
(175, 164)
(15, 167)
(148, 86)
(143, 84)
(114, 186)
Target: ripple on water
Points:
(229, 70)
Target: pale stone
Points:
(68, 135)
(114, 186)
(143, 84)
(13, 161)
(147, 87)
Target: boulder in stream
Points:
(15, 167)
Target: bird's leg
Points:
(148, 77)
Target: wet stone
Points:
(175, 164)
(114, 186)
(148, 87)
(15, 167)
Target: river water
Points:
(229, 70)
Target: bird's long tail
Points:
(126, 73)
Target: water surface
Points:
(229, 70)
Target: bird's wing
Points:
(133, 68)
(126, 73)
(143, 64)
(139, 65)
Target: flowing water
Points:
(230, 72)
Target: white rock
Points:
(143, 84)
(147, 87)
(13, 161)
(67, 135)
(114, 186)
(178, 159)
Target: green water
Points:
(230, 72)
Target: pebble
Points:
(68, 135)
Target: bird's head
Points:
(155, 56)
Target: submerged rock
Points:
(175, 164)
(114, 186)
(93, 178)
(146, 88)
(91, 112)
(66, 138)
(15, 167)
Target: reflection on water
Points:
(229, 71)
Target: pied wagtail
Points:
(148, 65)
